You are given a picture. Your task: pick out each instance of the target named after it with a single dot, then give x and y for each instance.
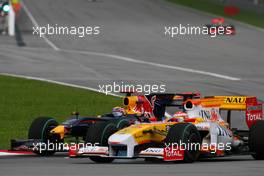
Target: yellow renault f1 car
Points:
(198, 129)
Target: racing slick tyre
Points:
(185, 133)
(256, 142)
(99, 133)
(39, 130)
(123, 123)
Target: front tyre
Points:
(40, 130)
(185, 133)
(99, 133)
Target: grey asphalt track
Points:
(134, 29)
(59, 165)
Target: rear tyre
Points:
(99, 133)
(39, 129)
(256, 142)
(123, 123)
(187, 133)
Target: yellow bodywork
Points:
(233, 102)
(146, 133)
(224, 102)
(60, 129)
(131, 105)
(150, 132)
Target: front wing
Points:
(166, 154)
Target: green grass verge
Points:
(22, 100)
(218, 9)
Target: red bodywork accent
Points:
(153, 119)
(233, 31)
(17, 152)
(144, 106)
(73, 150)
(88, 121)
(189, 120)
(218, 20)
(253, 111)
(173, 154)
(114, 143)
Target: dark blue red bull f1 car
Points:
(46, 132)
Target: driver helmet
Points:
(118, 111)
(180, 116)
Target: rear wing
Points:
(235, 102)
(176, 99)
(253, 109)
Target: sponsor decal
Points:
(253, 113)
(222, 131)
(210, 113)
(93, 150)
(235, 100)
(152, 151)
(172, 153)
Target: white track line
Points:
(216, 75)
(14, 153)
(57, 82)
(155, 64)
(33, 20)
(9, 154)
